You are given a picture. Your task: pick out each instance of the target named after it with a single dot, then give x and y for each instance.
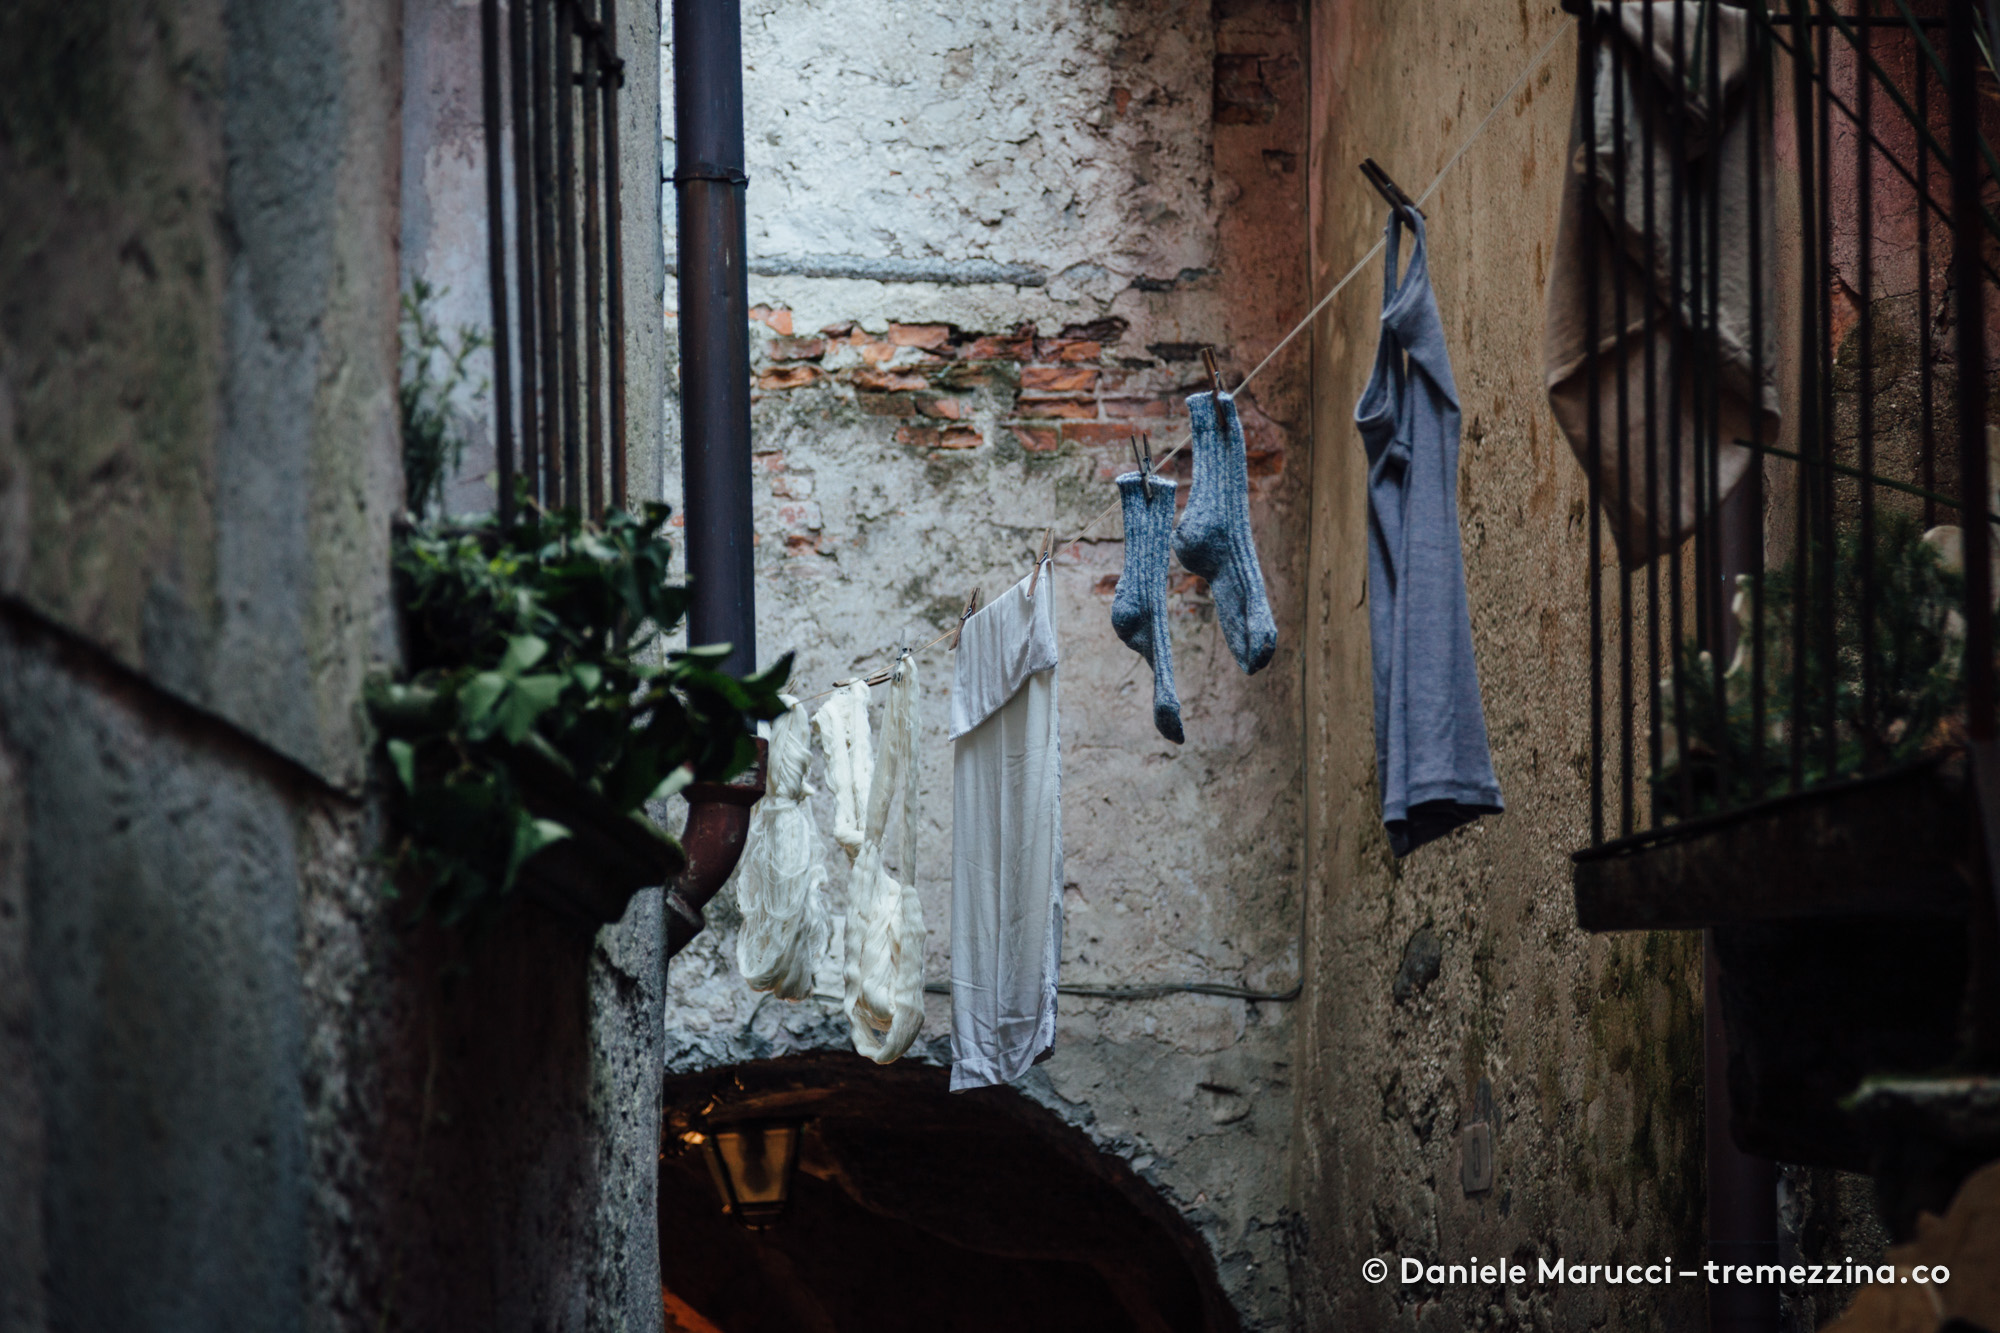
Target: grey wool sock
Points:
(1214, 539)
(1139, 607)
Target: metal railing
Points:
(551, 74)
(1789, 577)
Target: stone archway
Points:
(916, 1208)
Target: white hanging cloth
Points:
(842, 726)
(779, 886)
(884, 979)
(1006, 839)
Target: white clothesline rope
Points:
(1520, 81)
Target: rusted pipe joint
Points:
(717, 824)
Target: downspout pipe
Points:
(714, 320)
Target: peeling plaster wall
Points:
(985, 245)
(1463, 961)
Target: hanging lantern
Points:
(752, 1165)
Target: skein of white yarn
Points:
(843, 738)
(885, 920)
(778, 888)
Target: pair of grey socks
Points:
(1213, 541)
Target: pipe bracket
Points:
(708, 171)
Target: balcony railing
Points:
(1781, 404)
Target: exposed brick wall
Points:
(959, 388)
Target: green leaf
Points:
(523, 651)
(673, 783)
(404, 756)
(534, 834)
(476, 700)
(588, 676)
(530, 697)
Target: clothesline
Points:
(1186, 435)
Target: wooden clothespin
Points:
(1214, 376)
(1044, 550)
(971, 605)
(1144, 462)
(1391, 191)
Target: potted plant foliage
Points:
(540, 711)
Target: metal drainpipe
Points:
(714, 318)
(1742, 1190)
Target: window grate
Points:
(551, 74)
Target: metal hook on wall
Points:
(1389, 190)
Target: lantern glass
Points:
(753, 1166)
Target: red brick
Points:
(789, 377)
(930, 337)
(886, 404)
(1037, 439)
(1187, 583)
(873, 352)
(838, 332)
(797, 349)
(947, 409)
(1072, 409)
(778, 320)
(889, 381)
(1097, 434)
(1058, 379)
(800, 542)
(1072, 349)
(1105, 586)
(1150, 408)
(950, 437)
(1016, 348)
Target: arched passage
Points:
(917, 1208)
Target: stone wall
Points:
(1463, 962)
(985, 246)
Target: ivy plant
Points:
(535, 650)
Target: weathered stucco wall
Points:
(236, 1090)
(985, 246)
(197, 471)
(1463, 961)
(196, 350)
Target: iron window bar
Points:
(550, 74)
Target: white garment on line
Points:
(779, 879)
(1006, 839)
(842, 726)
(883, 982)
